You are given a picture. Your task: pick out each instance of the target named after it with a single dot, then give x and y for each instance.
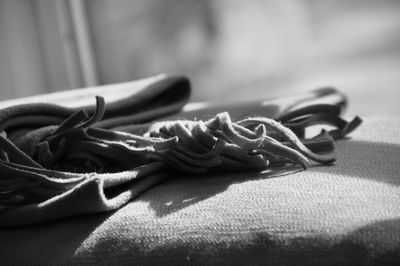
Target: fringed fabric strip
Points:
(53, 164)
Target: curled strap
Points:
(311, 109)
(289, 136)
(98, 114)
(14, 154)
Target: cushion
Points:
(343, 214)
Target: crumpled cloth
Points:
(63, 190)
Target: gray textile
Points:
(55, 165)
(346, 214)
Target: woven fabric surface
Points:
(346, 214)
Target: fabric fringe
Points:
(78, 146)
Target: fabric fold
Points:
(93, 193)
(134, 102)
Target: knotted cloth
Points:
(65, 159)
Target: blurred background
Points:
(232, 50)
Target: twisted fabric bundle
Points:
(84, 165)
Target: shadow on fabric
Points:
(199, 188)
(60, 238)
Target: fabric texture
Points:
(342, 214)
